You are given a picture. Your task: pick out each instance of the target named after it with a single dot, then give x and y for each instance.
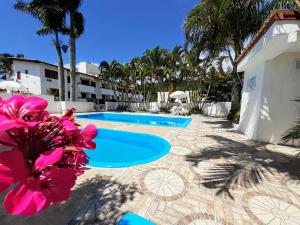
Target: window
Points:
(19, 75)
(85, 82)
(69, 94)
(83, 95)
(53, 91)
(68, 79)
(93, 84)
(251, 83)
(93, 96)
(51, 74)
(26, 71)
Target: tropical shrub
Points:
(41, 155)
(164, 109)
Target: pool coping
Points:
(184, 125)
(166, 150)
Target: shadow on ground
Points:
(235, 164)
(220, 123)
(103, 207)
(96, 201)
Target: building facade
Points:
(41, 78)
(271, 66)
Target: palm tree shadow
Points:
(103, 205)
(242, 165)
(95, 201)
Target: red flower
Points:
(36, 194)
(42, 155)
(19, 111)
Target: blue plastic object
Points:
(134, 219)
(165, 121)
(118, 149)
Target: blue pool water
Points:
(139, 119)
(122, 149)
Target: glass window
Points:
(85, 82)
(51, 74)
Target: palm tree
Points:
(156, 60)
(76, 30)
(221, 26)
(5, 65)
(53, 22)
(111, 73)
(282, 4)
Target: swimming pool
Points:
(118, 149)
(139, 119)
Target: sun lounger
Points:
(183, 111)
(175, 110)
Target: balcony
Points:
(86, 88)
(105, 91)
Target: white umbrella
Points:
(11, 86)
(178, 95)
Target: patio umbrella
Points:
(11, 86)
(178, 95)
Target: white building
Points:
(271, 66)
(41, 78)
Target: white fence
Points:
(60, 107)
(216, 109)
(220, 109)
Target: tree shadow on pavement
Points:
(233, 164)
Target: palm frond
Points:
(293, 133)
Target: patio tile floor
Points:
(213, 175)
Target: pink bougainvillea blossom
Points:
(41, 155)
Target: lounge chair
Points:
(134, 219)
(175, 110)
(183, 111)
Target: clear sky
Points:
(114, 29)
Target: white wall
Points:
(32, 80)
(164, 96)
(220, 109)
(251, 100)
(269, 110)
(79, 106)
(60, 107)
(89, 68)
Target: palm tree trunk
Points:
(235, 93)
(61, 74)
(72, 43)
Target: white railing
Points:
(86, 88)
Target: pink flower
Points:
(41, 154)
(12, 168)
(39, 193)
(19, 111)
(87, 136)
(38, 190)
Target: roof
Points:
(278, 15)
(46, 63)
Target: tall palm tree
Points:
(221, 26)
(53, 22)
(76, 30)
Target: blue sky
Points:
(114, 29)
